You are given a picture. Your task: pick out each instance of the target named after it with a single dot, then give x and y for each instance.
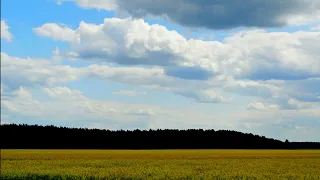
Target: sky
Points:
(249, 66)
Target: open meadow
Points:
(160, 164)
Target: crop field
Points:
(160, 164)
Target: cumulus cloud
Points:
(216, 14)
(251, 54)
(135, 42)
(283, 97)
(39, 72)
(5, 34)
(16, 72)
(18, 101)
(57, 32)
(275, 55)
(156, 79)
(34, 72)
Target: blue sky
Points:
(104, 64)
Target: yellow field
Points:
(160, 164)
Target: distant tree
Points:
(31, 137)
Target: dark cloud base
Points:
(222, 14)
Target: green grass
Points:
(160, 164)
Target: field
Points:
(160, 164)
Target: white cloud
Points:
(249, 54)
(156, 79)
(296, 104)
(32, 72)
(254, 88)
(72, 104)
(275, 55)
(84, 109)
(57, 32)
(303, 19)
(286, 124)
(97, 4)
(88, 112)
(262, 106)
(275, 94)
(19, 101)
(63, 93)
(22, 93)
(16, 72)
(5, 34)
(134, 42)
(129, 93)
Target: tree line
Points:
(24, 136)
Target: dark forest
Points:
(50, 137)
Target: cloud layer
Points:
(255, 80)
(115, 115)
(279, 103)
(251, 54)
(293, 94)
(38, 72)
(216, 14)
